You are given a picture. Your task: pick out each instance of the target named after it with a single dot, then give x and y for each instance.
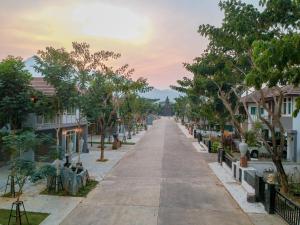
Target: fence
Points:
(287, 209)
(225, 157)
(249, 177)
(228, 160)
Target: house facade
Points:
(71, 127)
(291, 124)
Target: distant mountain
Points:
(161, 94)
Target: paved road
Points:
(164, 181)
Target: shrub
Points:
(250, 137)
(215, 146)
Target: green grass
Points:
(33, 217)
(128, 143)
(83, 192)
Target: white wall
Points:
(296, 126)
(260, 166)
(254, 117)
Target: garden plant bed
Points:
(293, 198)
(33, 217)
(8, 195)
(83, 192)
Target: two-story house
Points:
(70, 125)
(291, 124)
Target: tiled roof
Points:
(288, 90)
(39, 84)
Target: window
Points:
(71, 111)
(253, 110)
(284, 106)
(262, 111)
(287, 106)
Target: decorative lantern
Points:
(243, 147)
(243, 150)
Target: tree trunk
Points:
(58, 158)
(222, 136)
(282, 175)
(129, 132)
(102, 147)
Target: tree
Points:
(131, 104)
(85, 63)
(17, 144)
(71, 73)
(276, 64)
(99, 105)
(15, 92)
(57, 69)
(233, 54)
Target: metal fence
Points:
(287, 209)
(228, 160)
(249, 177)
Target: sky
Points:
(155, 37)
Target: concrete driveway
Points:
(163, 181)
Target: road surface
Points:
(163, 181)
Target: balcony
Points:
(43, 123)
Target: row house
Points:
(291, 124)
(71, 125)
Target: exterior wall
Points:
(65, 120)
(254, 117)
(287, 122)
(260, 166)
(296, 127)
(68, 124)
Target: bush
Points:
(215, 146)
(250, 137)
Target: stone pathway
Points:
(164, 181)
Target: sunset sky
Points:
(154, 36)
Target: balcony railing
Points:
(58, 121)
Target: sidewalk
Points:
(255, 211)
(59, 207)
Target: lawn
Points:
(83, 192)
(33, 217)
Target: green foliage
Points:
(33, 217)
(43, 172)
(251, 138)
(83, 192)
(276, 62)
(19, 143)
(15, 92)
(57, 68)
(23, 169)
(215, 146)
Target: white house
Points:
(67, 123)
(291, 124)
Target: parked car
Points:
(257, 150)
(260, 149)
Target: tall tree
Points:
(15, 92)
(248, 37)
